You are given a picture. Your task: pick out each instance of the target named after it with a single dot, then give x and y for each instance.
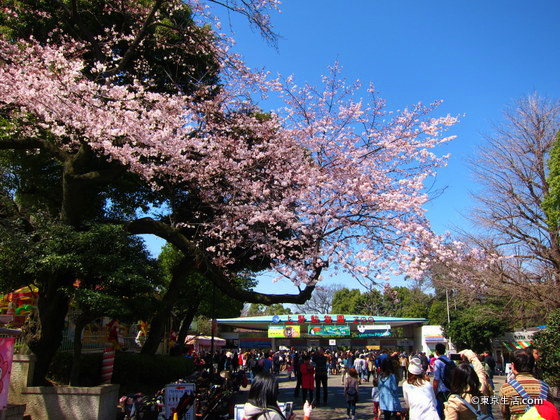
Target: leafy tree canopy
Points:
(474, 327)
(256, 309)
(547, 342)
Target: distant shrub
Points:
(547, 342)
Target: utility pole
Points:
(212, 328)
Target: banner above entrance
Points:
(329, 330)
(281, 331)
(353, 321)
(374, 330)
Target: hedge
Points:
(134, 372)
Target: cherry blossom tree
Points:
(515, 251)
(331, 179)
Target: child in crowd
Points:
(375, 398)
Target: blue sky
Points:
(478, 56)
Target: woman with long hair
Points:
(351, 392)
(262, 403)
(419, 394)
(389, 401)
(468, 384)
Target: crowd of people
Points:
(460, 387)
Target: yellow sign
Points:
(377, 347)
(284, 331)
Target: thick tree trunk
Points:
(157, 324)
(186, 323)
(77, 355)
(43, 331)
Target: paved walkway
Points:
(336, 407)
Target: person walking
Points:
(307, 379)
(440, 388)
(404, 365)
(351, 393)
(489, 360)
(418, 393)
(297, 372)
(375, 398)
(388, 391)
(359, 366)
(372, 369)
(346, 365)
(321, 376)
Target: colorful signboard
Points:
(374, 330)
(329, 330)
(325, 319)
(284, 331)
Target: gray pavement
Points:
(336, 406)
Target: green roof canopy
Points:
(262, 322)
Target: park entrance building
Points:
(320, 330)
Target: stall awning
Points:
(204, 340)
(516, 345)
(435, 339)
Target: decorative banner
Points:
(329, 330)
(282, 331)
(6, 357)
(374, 330)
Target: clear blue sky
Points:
(476, 55)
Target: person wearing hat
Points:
(418, 393)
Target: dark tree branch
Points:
(137, 40)
(216, 274)
(26, 144)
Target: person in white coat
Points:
(419, 394)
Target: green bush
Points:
(547, 342)
(134, 372)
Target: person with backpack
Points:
(351, 392)
(252, 366)
(523, 388)
(443, 370)
(469, 388)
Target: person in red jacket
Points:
(307, 379)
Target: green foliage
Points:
(547, 342)
(396, 302)
(473, 327)
(551, 201)
(134, 372)
(260, 310)
(163, 60)
(115, 273)
(346, 301)
(210, 300)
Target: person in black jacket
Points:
(321, 376)
(297, 371)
